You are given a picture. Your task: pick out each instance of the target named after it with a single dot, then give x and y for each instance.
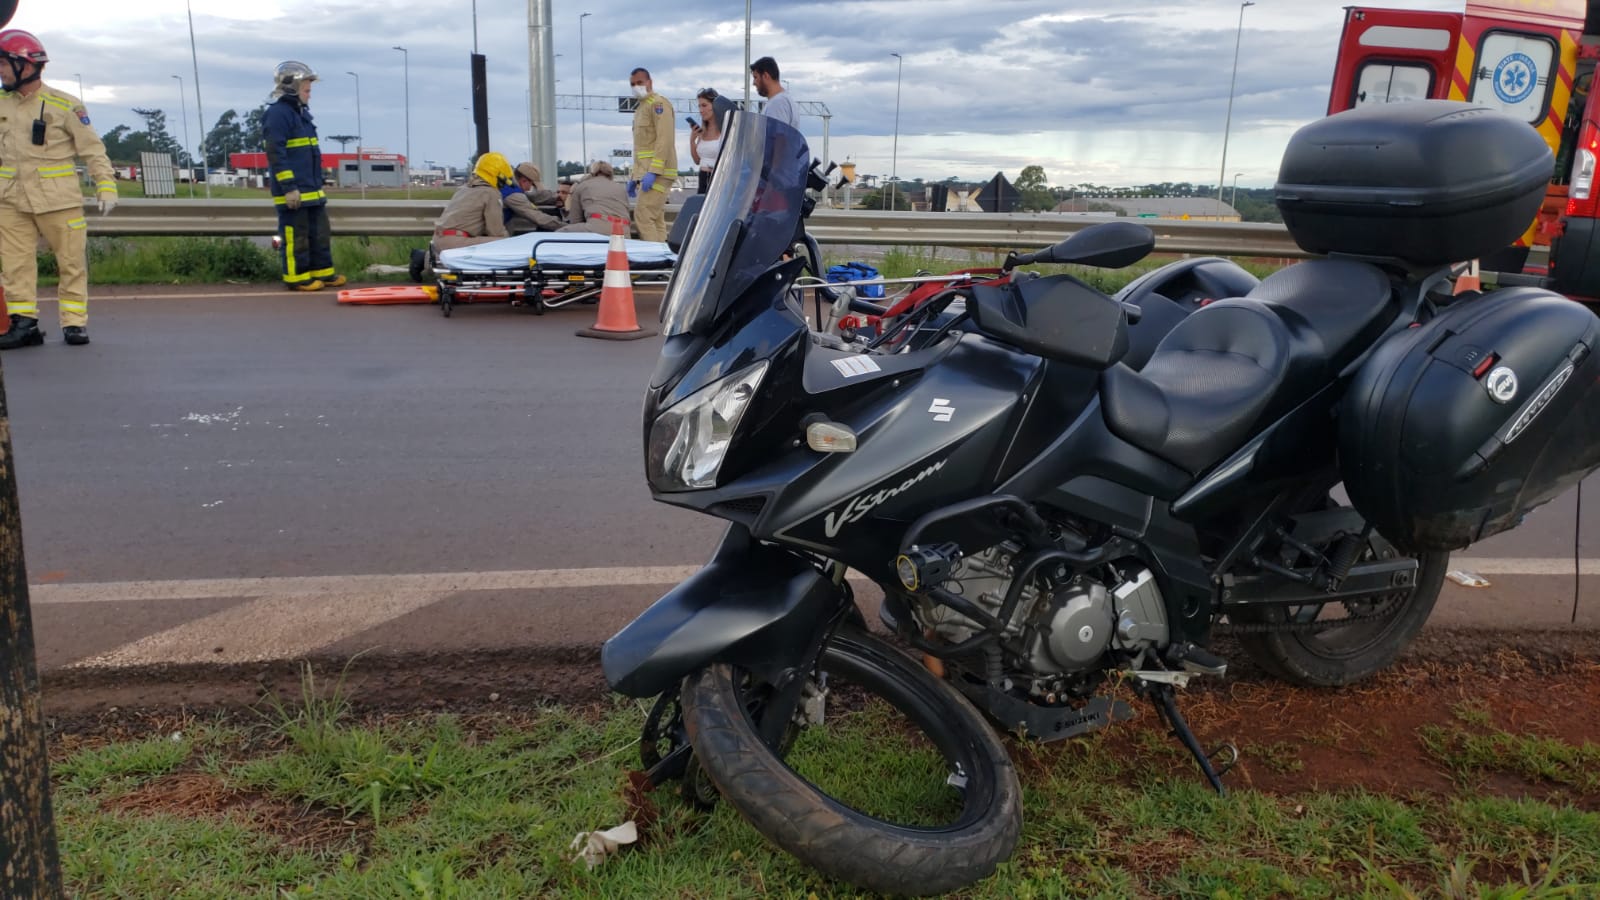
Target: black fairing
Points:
(753, 605)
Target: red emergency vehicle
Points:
(1533, 59)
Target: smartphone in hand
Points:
(693, 125)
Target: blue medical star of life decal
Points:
(1515, 78)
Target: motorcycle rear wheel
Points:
(833, 837)
(1346, 655)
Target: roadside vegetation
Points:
(204, 260)
(306, 798)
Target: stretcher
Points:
(542, 270)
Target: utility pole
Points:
(30, 863)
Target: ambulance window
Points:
(1383, 82)
(1403, 38)
(1513, 74)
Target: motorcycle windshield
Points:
(748, 221)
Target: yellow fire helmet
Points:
(493, 168)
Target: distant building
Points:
(1203, 209)
(374, 167)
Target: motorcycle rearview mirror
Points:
(683, 224)
(1106, 245)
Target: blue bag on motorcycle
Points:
(857, 271)
(1454, 430)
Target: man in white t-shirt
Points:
(764, 71)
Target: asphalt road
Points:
(215, 476)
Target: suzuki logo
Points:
(942, 410)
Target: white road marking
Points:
(280, 626)
(434, 583)
(537, 579)
(286, 618)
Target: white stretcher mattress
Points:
(572, 250)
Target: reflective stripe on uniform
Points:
(292, 143)
(305, 196)
(289, 274)
(105, 185)
(56, 171)
(77, 306)
(28, 308)
(57, 101)
(285, 175)
(76, 224)
(8, 171)
(322, 273)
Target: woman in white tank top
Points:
(705, 139)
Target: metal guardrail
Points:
(828, 226)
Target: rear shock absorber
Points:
(1344, 556)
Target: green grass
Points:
(203, 260)
(311, 803)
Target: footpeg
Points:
(1198, 660)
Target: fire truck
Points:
(1532, 59)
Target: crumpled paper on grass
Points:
(594, 846)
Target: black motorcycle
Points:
(1054, 488)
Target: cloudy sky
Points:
(1110, 91)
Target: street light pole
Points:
(583, 90)
(406, 56)
(894, 165)
(183, 111)
(199, 111)
(361, 174)
(80, 87)
(1235, 201)
(746, 54)
(1222, 173)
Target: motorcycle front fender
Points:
(754, 605)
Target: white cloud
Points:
(1117, 93)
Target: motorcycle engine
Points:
(1065, 631)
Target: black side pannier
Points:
(1428, 183)
(1453, 430)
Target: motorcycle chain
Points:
(1390, 606)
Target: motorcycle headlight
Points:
(689, 441)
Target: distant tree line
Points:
(231, 134)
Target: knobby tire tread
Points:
(824, 834)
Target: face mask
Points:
(641, 91)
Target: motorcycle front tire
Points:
(830, 836)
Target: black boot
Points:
(419, 259)
(24, 333)
(76, 335)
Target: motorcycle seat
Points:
(1334, 309)
(1205, 387)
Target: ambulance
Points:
(1532, 59)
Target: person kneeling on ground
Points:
(597, 201)
(474, 215)
(523, 199)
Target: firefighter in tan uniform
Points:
(655, 157)
(42, 130)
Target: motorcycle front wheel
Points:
(939, 764)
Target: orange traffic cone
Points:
(616, 320)
(1469, 280)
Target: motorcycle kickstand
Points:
(1166, 703)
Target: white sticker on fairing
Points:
(851, 366)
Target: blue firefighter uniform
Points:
(294, 167)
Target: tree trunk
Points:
(30, 866)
